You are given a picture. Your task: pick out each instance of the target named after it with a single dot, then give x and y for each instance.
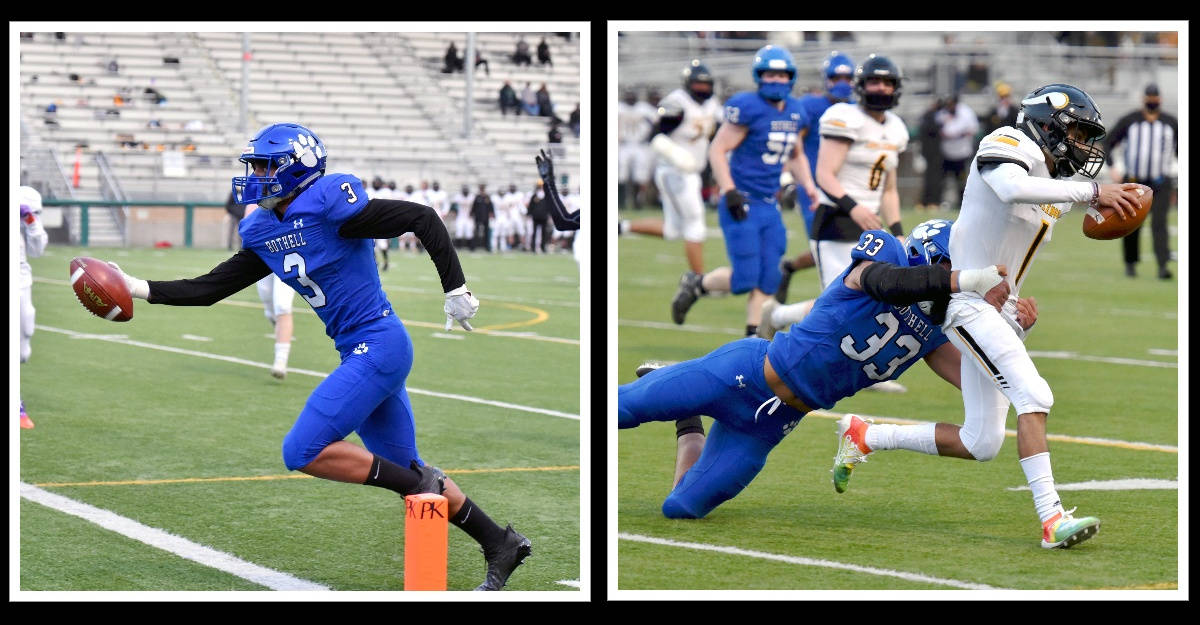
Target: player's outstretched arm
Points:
(903, 286)
(238, 272)
(563, 219)
(385, 219)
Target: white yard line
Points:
(160, 539)
(319, 374)
(829, 564)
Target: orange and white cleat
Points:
(852, 449)
(26, 422)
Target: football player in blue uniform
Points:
(838, 71)
(871, 324)
(756, 142)
(317, 234)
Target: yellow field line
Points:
(539, 316)
(1061, 438)
(1155, 586)
(290, 476)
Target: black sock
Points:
(387, 474)
(787, 265)
(700, 286)
(690, 425)
(477, 524)
(751, 330)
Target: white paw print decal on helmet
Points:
(307, 150)
(929, 229)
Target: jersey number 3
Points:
(876, 343)
(317, 299)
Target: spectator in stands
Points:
(118, 100)
(529, 100)
(1004, 113)
(73, 77)
(508, 99)
(545, 107)
(60, 36)
(959, 125)
(479, 60)
(153, 123)
(113, 67)
(573, 122)
(51, 116)
(171, 60)
(521, 54)
(194, 125)
(453, 62)
(153, 96)
(482, 211)
(189, 145)
(555, 135)
(543, 52)
(126, 140)
(929, 133)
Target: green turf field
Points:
(1106, 344)
(174, 421)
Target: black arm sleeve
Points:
(562, 219)
(902, 286)
(384, 219)
(240, 271)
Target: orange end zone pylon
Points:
(426, 523)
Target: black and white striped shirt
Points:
(1147, 147)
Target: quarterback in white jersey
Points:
(1015, 193)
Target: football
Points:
(1104, 224)
(101, 289)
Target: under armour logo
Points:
(386, 311)
(298, 223)
(787, 429)
(739, 379)
(361, 348)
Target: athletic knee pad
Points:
(297, 453)
(1034, 396)
(986, 446)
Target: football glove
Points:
(545, 165)
(736, 203)
(137, 288)
(460, 306)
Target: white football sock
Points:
(281, 353)
(1041, 482)
(911, 437)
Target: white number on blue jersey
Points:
(870, 240)
(731, 114)
(876, 343)
(349, 191)
(317, 299)
(779, 146)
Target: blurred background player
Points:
(323, 248)
(687, 120)
(408, 241)
(510, 220)
(32, 244)
(635, 119)
(757, 391)
(380, 191)
(856, 173)
(437, 200)
(1149, 138)
(464, 224)
(1017, 189)
(277, 298)
(838, 71)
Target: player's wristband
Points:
(897, 229)
(1095, 194)
(846, 203)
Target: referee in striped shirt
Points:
(1141, 148)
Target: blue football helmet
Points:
(835, 66)
(771, 57)
(293, 158)
(929, 243)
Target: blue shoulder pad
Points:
(880, 246)
(742, 108)
(342, 196)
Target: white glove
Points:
(137, 288)
(979, 280)
(460, 306)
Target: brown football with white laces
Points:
(1105, 223)
(101, 289)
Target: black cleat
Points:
(432, 479)
(648, 366)
(504, 559)
(786, 271)
(689, 291)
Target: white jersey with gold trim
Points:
(990, 231)
(700, 121)
(876, 148)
